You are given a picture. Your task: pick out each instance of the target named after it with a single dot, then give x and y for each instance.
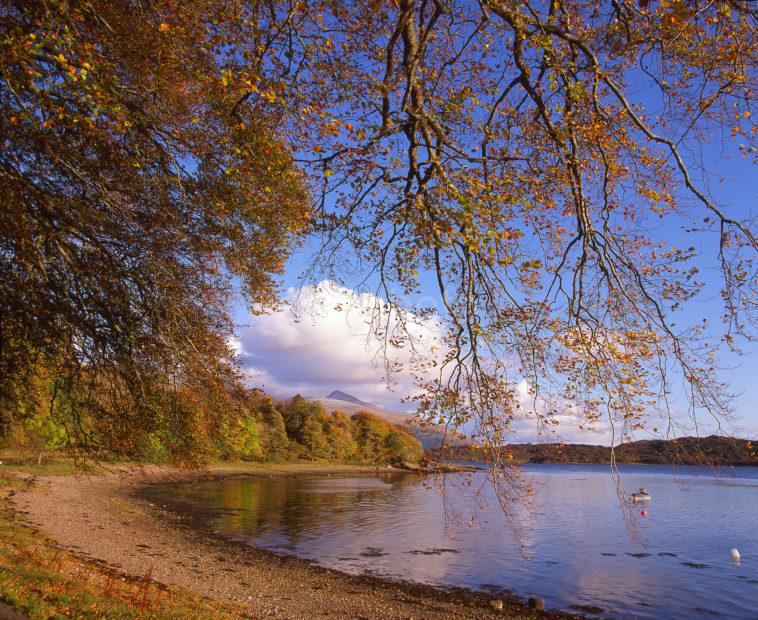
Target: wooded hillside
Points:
(712, 450)
(255, 427)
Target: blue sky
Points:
(322, 350)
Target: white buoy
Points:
(735, 555)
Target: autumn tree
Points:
(313, 438)
(341, 444)
(532, 159)
(297, 411)
(274, 441)
(134, 190)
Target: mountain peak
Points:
(339, 395)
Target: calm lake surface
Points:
(575, 549)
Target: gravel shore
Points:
(100, 519)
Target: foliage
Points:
(384, 443)
(297, 411)
(313, 438)
(303, 428)
(134, 190)
(275, 443)
(251, 449)
(531, 159)
(247, 425)
(342, 445)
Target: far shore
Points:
(101, 518)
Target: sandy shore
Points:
(98, 518)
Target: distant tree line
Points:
(711, 451)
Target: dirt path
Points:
(96, 518)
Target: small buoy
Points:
(735, 555)
(643, 514)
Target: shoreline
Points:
(102, 519)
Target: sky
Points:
(321, 340)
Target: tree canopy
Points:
(530, 157)
(543, 163)
(133, 192)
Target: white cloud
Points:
(324, 339)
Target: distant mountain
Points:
(431, 437)
(712, 450)
(348, 398)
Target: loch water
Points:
(576, 547)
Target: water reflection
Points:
(581, 553)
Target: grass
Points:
(52, 466)
(41, 580)
(66, 466)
